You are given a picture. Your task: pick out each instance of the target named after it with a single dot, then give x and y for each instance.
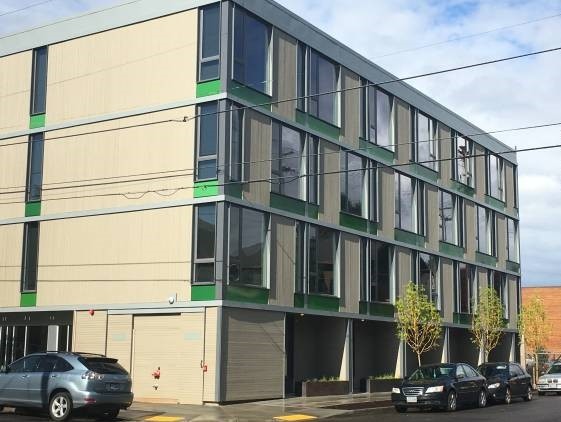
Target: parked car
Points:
(61, 382)
(550, 381)
(506, 381)
(441, 386)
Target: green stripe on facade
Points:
(234, 189)
(37, 121)
(324, 303)
(312, 211)
(373, 227)
(33, 209)
(206, 188)
(247, 294)
(408, 237)
(382, 309)
(424, 172)
(513, 266)
(204, 89)
(28, 300)
(362, 307)
(460, 187)
(483, 258)
(318, 125)
(286, 203)
(464, 319)
(203, 292)
(494, 202)
(378, 153)
(353, 222)
(251, 95)
(299, 300)
(450, 249)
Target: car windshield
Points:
(493, 370)
(555, 369)
(103, 365)
(432, 372)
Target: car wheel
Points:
(60, 406)
(452, 402)
(482, 399)
(508, 396)
(401, 409)
(529, 394)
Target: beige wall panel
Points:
(501, 241)
(15, 87)
(74, 165)
(509, 188)
(403, 131)
(512, 301)
(403, 269)
(11, 239)
(470, 224)
(482, 280)
(447, 280)
(175, 344)
(284, 73)
(210, 354)
(445, 142)
(13, 173)
(480, 176)
(253, 355)
(433, 218)
(330, 189)
(119, 339)
(119, 258)
(386, 204)
(350, 110)
(149, 63)
(350, 272)
(89, 331)
(258, 152)
(283, 261)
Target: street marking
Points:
(165, 419)
(295, 418)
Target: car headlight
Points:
(542, 381)
(437, 389)
(493, 386)
(396, 390)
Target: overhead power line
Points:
(11, 12)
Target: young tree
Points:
(418, 320)
(487, 322)
(535, 329)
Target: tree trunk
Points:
(419, 358)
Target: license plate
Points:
(411, 399)
(113, 387)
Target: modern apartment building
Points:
(176, 193)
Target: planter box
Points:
(324, 388)
(379, 386)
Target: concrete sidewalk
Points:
(292, 409)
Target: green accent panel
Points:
(251, 95)
(382, 309)
(380, 154)
(234, 189)
(408, 237)
(325, 303)
(301, 117)
(362, 307)
(28, 300)
(353, 222)
(513, 266)
(373, 227)
(318, 125)
(494, 202)
(483, 258)
(33, 209)
(312, 211)
(299, 300)
(464, 319)
(424, 172)
(451, 249)
(203, 291)
(247, 294)
(460, 187)
(37, 121)
(207, 88)
(287, 204)
(206, 188)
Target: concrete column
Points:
(512, 355)
(346, 372)
(446, 346)
(400, 360)
(481, 358)
(52, 337)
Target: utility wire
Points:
(11, 12)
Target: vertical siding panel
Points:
(404, 269)
(386, 202)
(258, 153)
(10, 264)
(447, 283)
(509, 188)
(482, 279)
(444, 134)
(119, 339)
(284, 73)
(210, 354)
(433, 232)
(15, 88)
(480, 176)
(351, 272)
(350, 108)
(471, 230)
(330, 204)
(90, 332)
(403, 131)
(283, 259)
(501, 241)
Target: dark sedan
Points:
(506, 381)
(441, 386)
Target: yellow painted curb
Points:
(165, 419)
(294, 418)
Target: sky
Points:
(511, 94)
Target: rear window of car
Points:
(103, 365)
(493, 370)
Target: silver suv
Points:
(61, 382)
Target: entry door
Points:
(173, 343)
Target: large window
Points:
(512, 240)
(207, 144)
(495, 177)
(35, 167)
(462, 153)
(409, 204)
(321, 260)
(246, 246)
(236, 143)
(286, 161)
(209, 48)
(313, 169)
(485, 231)
(451, 218)
(205, 235)
(376, 116)
(39, 81)
(377, 271)
(251, 50)
(498, 282)
(353, 172)
(323, 77)
(465, 288)
(425, 146)
(30, 257)
(425, 270)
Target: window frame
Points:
(490, 231)
(503, 292)
(196, 260)
(369, 249)
(471, 285)
(435, 296)
(36, 145)
(466, 158)
(431, 162)
(500, 176)
(202, 60)
(25, 270)
(34, 108)
(345, 180)
(315, 269)
(209, 157)
(313, 175)
(369, 99)
(314, 96)
(515, 249)
(279, 186)
(418, 207)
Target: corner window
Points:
(425, 146)
(313, 169)
(287, 164)
(465, 288)
(376, 116)
(495, 177)
(321, 260)
(451, 218)
(251, 50)
(377, 271)
(462, 153)
(209, 47)
(485, 231)
(409, 204)
(205, 235)
(30, 257)
(512, 240)
(353, 171)
(207, 141)
(323, 77)
(247, 232)
(39, 81)
(425, 271)
(35, 167)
